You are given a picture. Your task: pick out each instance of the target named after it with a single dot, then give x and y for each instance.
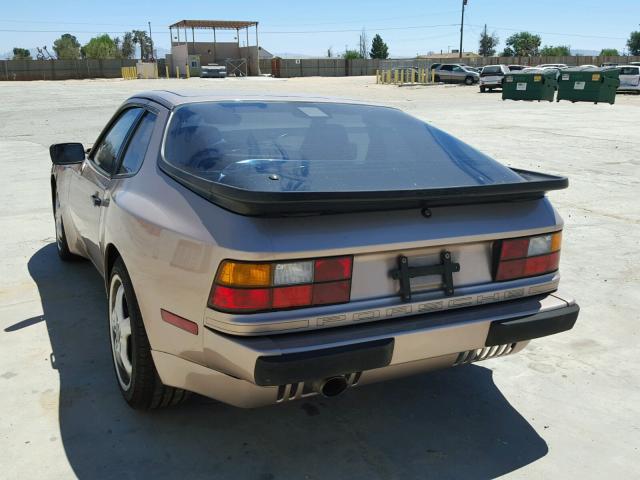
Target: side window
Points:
(109, 148)
(457, 69)
(137, 147)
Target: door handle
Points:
(97, 201)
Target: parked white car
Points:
(492, 76)
(552, 65)
(629, 78)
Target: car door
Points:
(89, 186)
(458, 74)
(443, 72)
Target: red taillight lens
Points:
(291, 284)
(241, 299)
(328, 269)
(332, 292)
(528, 257)
(286, 297)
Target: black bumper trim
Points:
(539, 325)
(276, 370)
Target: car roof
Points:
(175, 98)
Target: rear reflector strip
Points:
(176, 321)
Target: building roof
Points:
(221, 24)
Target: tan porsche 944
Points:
(262, 249)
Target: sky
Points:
(409, 27)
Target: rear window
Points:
(629, 71)
(321, 147)
(494, 69)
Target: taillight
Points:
(527, 256)
(244, 287)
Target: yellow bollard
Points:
(166, 68)
(433, 76)
(395, 76)
(188, 71)
(413, 76)
(177, 72)
(401, 76)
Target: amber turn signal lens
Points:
(242, 274)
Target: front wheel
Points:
(482, 89)
(468, 81)
(137, 377)
(436, 78)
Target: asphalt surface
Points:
(566, 407)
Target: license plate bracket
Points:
(404, 273)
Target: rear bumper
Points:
(254, 371)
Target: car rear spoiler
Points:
(277, 204)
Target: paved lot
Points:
(567, 407)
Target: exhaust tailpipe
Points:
(330, 387)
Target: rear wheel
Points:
(468, 81)
(482, 89)
(136, 374)
(436, 78)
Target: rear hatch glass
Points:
(241, 152)
(300, 146)
(491, 71)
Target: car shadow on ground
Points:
(443, 425)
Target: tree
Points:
(141, 38)
(379, 49)
(100, 47)
(488, 43)
(559, 51)
(634, 43)
(351, 54)
(609, 52)
(524, 44)
(21, 54)
(67, 47)
(126, 48)
(508, 52)
(363, 41)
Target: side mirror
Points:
(66, 153)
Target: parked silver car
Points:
(492, 77)
(450, 72)
(213, 70)
(629, 78)
(258, 250)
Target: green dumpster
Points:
(535, 84)
(589, 84)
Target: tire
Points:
(482, 89)
(61, 238)
(468, 81)
(436, 78)
(136, 374)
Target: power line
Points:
(274, 32)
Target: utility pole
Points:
(464, 3)
(151, 42)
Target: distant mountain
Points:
(586, 53)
